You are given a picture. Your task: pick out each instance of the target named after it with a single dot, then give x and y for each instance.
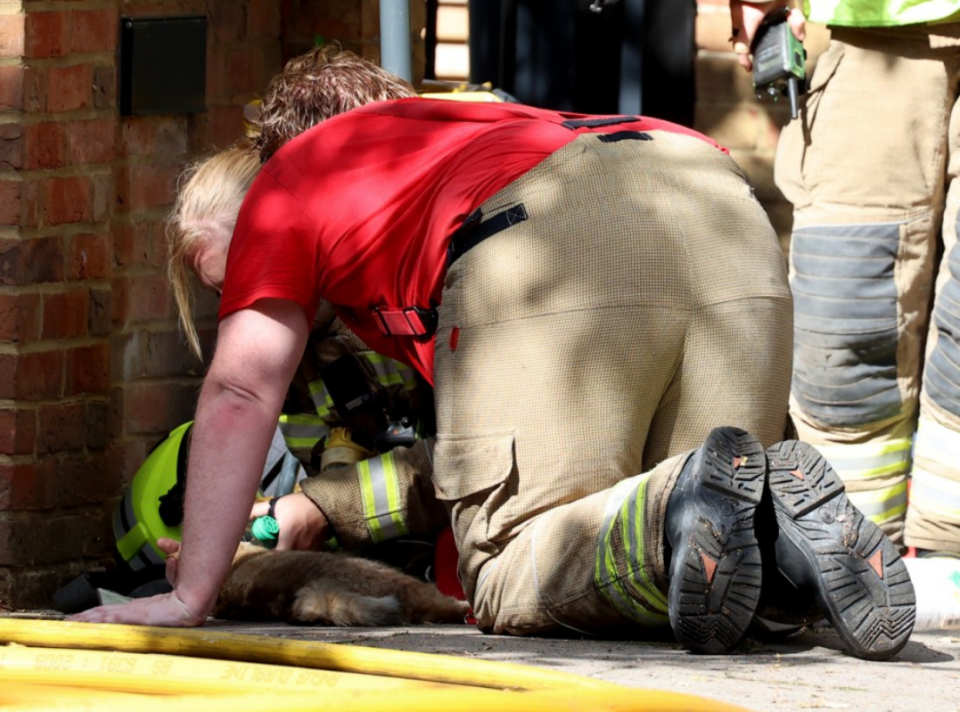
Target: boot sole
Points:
(715, 572)
(859, 580)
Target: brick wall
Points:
(728, 111)
(92, 368)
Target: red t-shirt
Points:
(359, 209)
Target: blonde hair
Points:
(209, 197)
(321, 83)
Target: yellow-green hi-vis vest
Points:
(880, 13)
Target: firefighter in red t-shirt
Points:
(602, 307)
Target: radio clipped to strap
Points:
(406, 321)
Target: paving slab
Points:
(808, 671)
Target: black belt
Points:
(420, 321)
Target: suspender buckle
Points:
(409, 321)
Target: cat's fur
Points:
(324, 588)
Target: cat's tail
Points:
(317, 602)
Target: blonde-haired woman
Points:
(201, 225)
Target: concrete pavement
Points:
(808, 671)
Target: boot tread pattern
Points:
(716, 574)
(826, 544)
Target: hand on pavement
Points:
(302, 523)
(166, 610)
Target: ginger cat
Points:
(324, 588)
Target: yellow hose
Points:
(177, 675)
(80, 666)
(207, 643)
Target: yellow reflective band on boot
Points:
(629, 591)
(935, 494)
(302, 432)
(381, 497)
(881, 505)
(868, 460)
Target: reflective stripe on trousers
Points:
(628, 586)
(937, 448)
(876, 473)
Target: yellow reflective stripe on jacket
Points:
(322, 400)
(881, 505)
(380, 491)
(391, 372)
(868, 460)
(631, 591)
(302, 431)
(935, 494)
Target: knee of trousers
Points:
(941, 375)
(845, 323)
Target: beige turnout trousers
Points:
(871, 168)
(581, 354)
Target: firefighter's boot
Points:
(827, 549)
(714, 565)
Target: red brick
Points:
(154, 136)
(157, 408)
(9, 199)
(11, 87)
(34, 261)
(89, 257)
(47, 34)
(241, 74)
(11, 146)
(11, 35)
(30, 201)
(84, 481)
(34, 89)
(138, 136)
(65, 314)
(104, 196)
(98, 424)
(57, 539)
(104, 87)
(228, 20)
(94, 30)
(146, 187)
(18, 431)
(126, 456)
(44, 146)
(150, 299)
(61, 427)
(263, 19)
(88, 370)
(8, 375)
(140, 244)
(220, 126)
(91, 141)
(69, 88)
(19, 317)
(101, 304)
(67, 200)
(39, 375)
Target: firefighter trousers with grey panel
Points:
(582, 353)
(871, 168)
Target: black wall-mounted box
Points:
(163, 65)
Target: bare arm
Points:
(257, 352)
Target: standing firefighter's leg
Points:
(864, 167)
